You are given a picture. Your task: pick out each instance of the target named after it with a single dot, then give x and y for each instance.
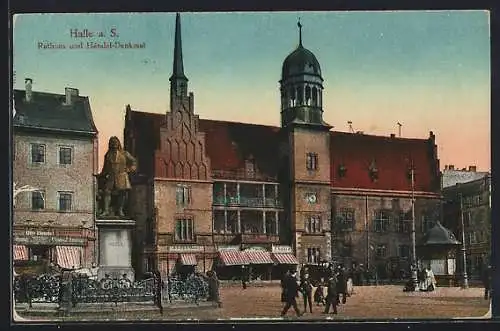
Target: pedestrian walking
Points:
(306, 289)
(291, 291)
(159, 286)
(341, 285)
(244, 277)
(213, 288)
(331, 296)
(282, 283)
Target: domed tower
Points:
(301, 88)
(307, 187)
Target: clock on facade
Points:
(311, 198)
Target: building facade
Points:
(55, 151)
(210, 193)
(469, 203)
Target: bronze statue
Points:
(113, 181)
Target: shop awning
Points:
(284, 258)
(188, 259)
(259, 257)
(229, 258)
(20, 253)
(68, 256)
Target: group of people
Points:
(336, 287)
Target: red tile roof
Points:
(393, 158)
(229, 144)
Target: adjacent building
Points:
(212, 193)
(55, 151)
(468, 203)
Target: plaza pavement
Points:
(257, 302)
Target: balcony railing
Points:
(259, 238)
(247, 202)
(242, 175)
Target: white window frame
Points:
(185, 222)
(382, 220)
(313, 224)
(72, 153)
(32, 145)
(59, 194)
(182, 195)
(42, 194)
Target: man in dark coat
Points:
(283, 281)
(213, 286)
(331, 296)
(306, 289)
(159, 287)
(341, 285)
(291, 291)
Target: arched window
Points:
(314, 96)
(292, 97)
(308, 95)
(300, 95)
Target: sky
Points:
(428, 70)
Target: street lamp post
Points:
(465, 284)
(414, 277)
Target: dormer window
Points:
(342, 170)
(373, 171)
(250, 168)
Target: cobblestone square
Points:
(370, 302)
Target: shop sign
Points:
(185, 248)
(256, 248)
(282, 249)
(46, 233)
(50, 241)
(228, 248)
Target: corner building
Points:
(217, 194)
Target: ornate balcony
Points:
(242, 175)
(247, 202)
(259, 238)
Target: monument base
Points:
(115, 247)
(116, 272)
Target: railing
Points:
(193, 289)
(247, 202)
(51, 288)
(242, 175)
(259, 238)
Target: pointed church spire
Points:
(178, 81)
(300, 32)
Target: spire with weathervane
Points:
(178, 81)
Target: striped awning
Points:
(229, 258)
(188, 259)
(20, 253)
(284, 258)
(68, 256)
(259, 257)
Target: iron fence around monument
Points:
(192, 289)
(53, 288)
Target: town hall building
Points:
(216, 194)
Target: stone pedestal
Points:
(115, 248)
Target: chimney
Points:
(393, 135)
(451, 167)
(28, 91)
(446, 167)
(472, 168)
(70, 94)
